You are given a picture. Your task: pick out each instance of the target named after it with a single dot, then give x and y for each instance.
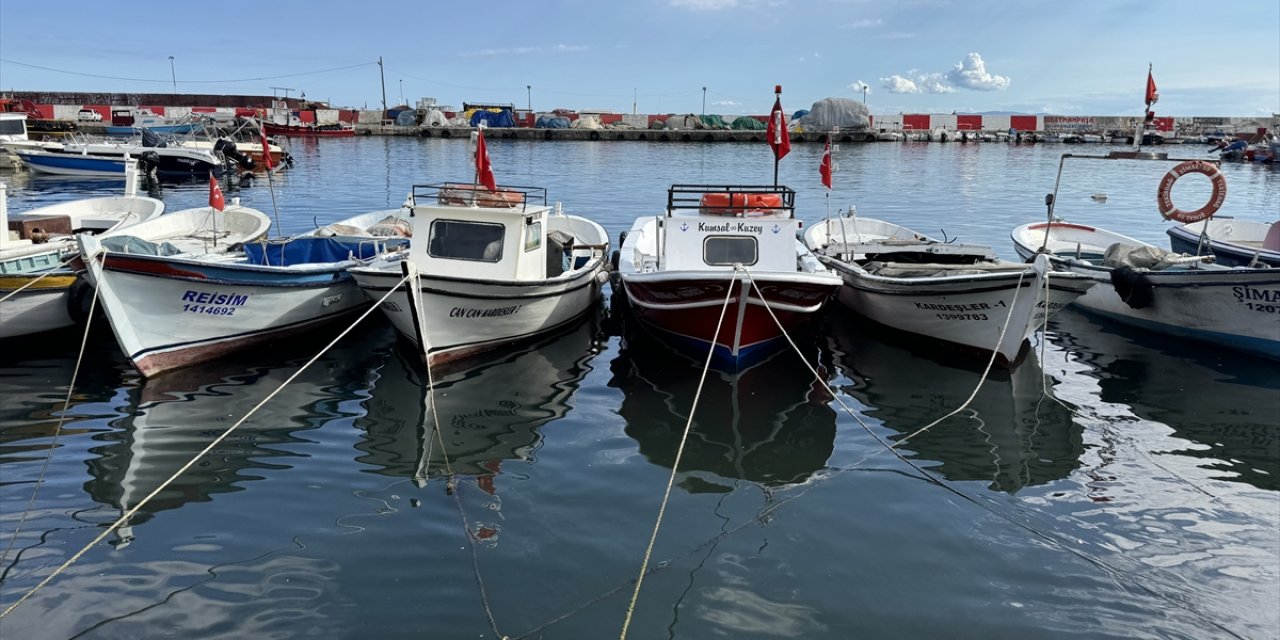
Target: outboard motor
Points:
(149, 163)
(229, 151)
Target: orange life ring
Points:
(1164, 194)
(729, 204)
(465, 195)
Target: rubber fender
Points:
(1132, 287)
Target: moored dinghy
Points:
(678, 269)
(956, 293)
(1231, 241)
(178, 299)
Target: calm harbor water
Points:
(1116, 485)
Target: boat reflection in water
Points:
(489, 407)
(1009, 436)
(1225, 403)
(769, 424)
(171, 418)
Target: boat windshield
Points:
(464, 240)
(724, 251)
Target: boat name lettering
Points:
(977, 306)
(229, 299)
(729, 227)
(1249, 293)
(496, 312)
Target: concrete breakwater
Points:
(627, 135)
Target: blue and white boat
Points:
(107, 159)
(1231, 241)
(130, 122)
(181, 298)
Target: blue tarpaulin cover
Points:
(310, 251)
(493, 119)
(552, 122)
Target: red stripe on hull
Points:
(289, 130)
(699, 322)
(117, 262)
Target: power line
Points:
(106, 77)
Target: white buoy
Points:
(130, 176)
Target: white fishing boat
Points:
(493, 267)
(1173, 294)
(35, 282)
(955, 293)
(198, 284)
(1231, 241)
(681, 269)
(1178, 295)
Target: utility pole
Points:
(704, 101)
(864, 95)
(383, 76)
(529, 96)
(173, 75)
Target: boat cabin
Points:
(464, 230)
(13, 127)
(713, 227)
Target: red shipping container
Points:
(916, 122)
(969, 123)
(307, 116)
(1024, 123)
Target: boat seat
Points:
(1272, 240)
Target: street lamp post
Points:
(528, 88)
(402, 92)
(704, 101)
(173, 75)
(864, 94)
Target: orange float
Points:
(466, 195)
(734, 204)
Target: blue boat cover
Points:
(308, 250)
(503, 118)
(552, 122)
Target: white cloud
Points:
(726, 103)
(817, 55)
(704, 5)
(504, 51)
(865, 23)
(916, 82)
(860, 86)
(971, 73)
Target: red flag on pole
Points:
(266, 145)
(484, 169)
(215, 194)
(777, 134)
(824, 169)
(1152, 96)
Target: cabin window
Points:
(463, 240)
(728, 250)
(11, 127)
(533, 236)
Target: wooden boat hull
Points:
(992, 312)
(172, 312)
(463, 317)
(687, 306)
(40, 307)
(1236, 308)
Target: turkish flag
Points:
(484, 169)
(777, 134)
(824, 169)
(266, 145)
(1152, 96)
(215, 194)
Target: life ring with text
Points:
(1164, 194)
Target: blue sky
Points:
(1075, 57)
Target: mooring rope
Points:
(675, 465)
(62, 418)
(42, 276)
(163, 485)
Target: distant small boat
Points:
(129, 122)
(1233, 242)
(309, 130)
